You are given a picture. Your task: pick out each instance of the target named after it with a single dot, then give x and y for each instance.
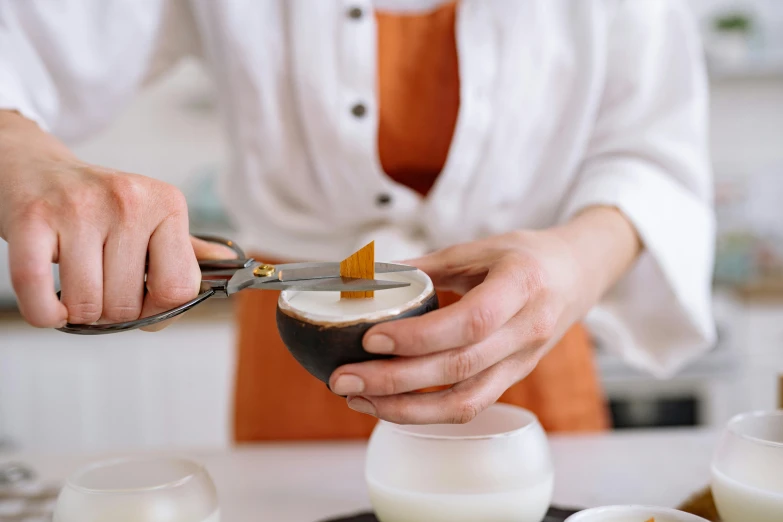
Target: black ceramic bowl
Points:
(324, 332)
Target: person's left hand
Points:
(522, 291)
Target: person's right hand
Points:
(100, 225)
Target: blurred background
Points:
(60, 392)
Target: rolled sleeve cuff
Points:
(659, 316)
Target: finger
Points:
(481, 312)
(173, 275)
(81, 274)
(31, 249)
(456, 405)
(453, 264)
(407, 374)
(206, 250)
(124, 259)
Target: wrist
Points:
(604, 243)
(21, 137)
(13, 121)
(27, 154)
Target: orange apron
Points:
(418, 84)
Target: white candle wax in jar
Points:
(329, 307)
(633, 514)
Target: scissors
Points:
(222, 278)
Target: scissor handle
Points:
(101, 329)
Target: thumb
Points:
(457, 268)
(447, 261)
(437, 265)
(206, 250)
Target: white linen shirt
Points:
(563, 104)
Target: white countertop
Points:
(308, 482)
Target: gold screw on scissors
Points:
(263, 270)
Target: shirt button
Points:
(355, 13)
(359, 110)
(383, 200)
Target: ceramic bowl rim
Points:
(532, 421)
(634, 510)
(285, 305)
(733, 427)
(195, 469)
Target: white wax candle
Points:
(633, 514)
(329, 307)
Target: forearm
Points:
(605, 245)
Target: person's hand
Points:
(99, 225)
(521, 291)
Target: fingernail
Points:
(379, 343)
(361, 405)
(348, 385)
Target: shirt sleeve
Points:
(72, 65)
(648, 156)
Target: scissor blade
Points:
(336, 284)
(388, 268)
(300, 271)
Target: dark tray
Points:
(554, 514)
